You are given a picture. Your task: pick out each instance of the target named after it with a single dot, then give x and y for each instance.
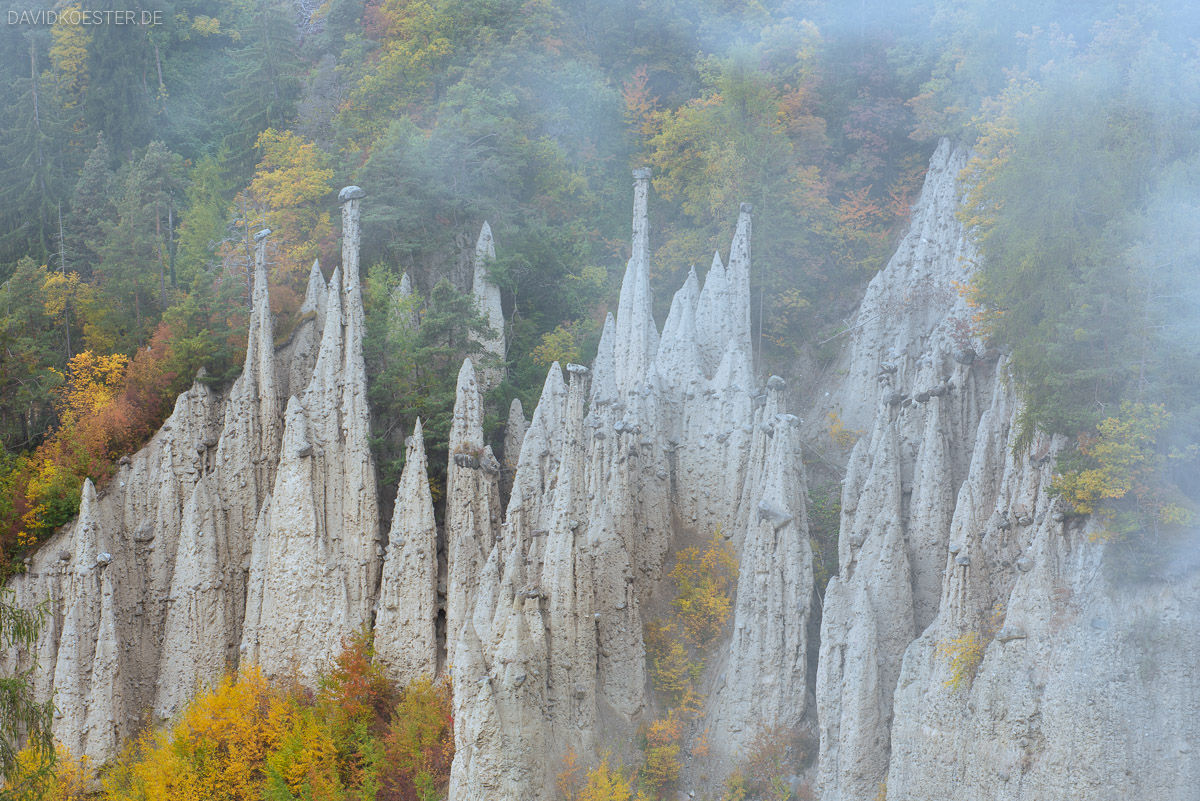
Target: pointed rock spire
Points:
(604, 377)
(405, 625)
(566, 583)
(636, 341)
(678, 360)
(196, 632)
(739, 282)
(874, 573)
(81, 604)
(403, 312)
(532, 495)
(853, 756)
(487, 301)
(479, 756)
(351, 279)
(472, 501)
(714, 316)
(316, 293)
(322, 548)
(514, 435)
(106, 712)
(248, 651)
(766, 675)
(260, 352)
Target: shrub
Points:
(664, 743)
(841, 436)
(419, 745)
(63, 778)
(248, 739)
(963, 655)
(674, 672)
(824, 526)
(606, 784)
(776, 753)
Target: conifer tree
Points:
(91, 207)
(32, 181)
(265, 83)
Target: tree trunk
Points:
(62, 263)
(162, 274)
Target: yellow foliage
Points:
(1122, 460)
(558, 345)
(664, 742)
(420, 741)
(92, 384)
(69, 779)
(412, 47)
(218, 749)
(674, 673)
(705, 586)
(289, 185)
(59, 289)
(998, 129)
(69, 56)
(963, 654)
(605, 784)
(843, 437)
(206, 26)
(306, 760)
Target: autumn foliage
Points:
(248, 739)
(1116, 472)
(704, 578)
(108, 405)
(776, 754)
(288, 194)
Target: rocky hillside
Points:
(248, 530)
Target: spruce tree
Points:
(31, 182)
(91, 206)
(265, 82)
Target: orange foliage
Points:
(569, 779)
(639, 105)
(355, 687)
(109, 406)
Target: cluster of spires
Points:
(248, 530)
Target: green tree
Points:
(414, 370)
(21, 716)
(91, 208)
(1056, 208)
(264, 84)
(205, 224)
(33, 177)
(119, 99)
(137, 251)
(34, 357)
